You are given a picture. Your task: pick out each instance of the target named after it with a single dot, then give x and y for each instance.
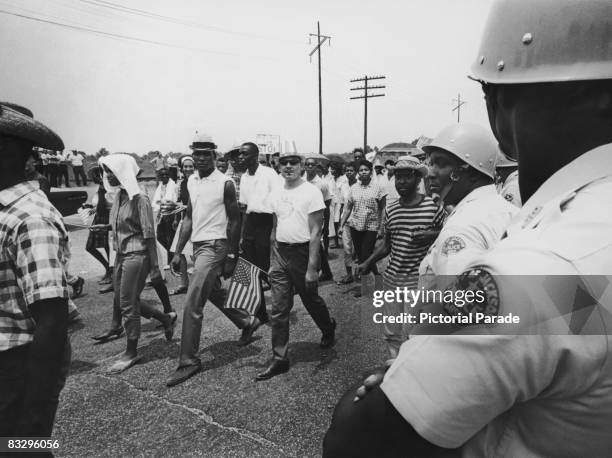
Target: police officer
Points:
(546, 70)
(462, 159)
(506, 179)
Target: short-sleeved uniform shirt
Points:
(292, 207)
(131, 222)
(365, 198)
(400, 224)
(34, 248)
(510, 189)
(475, 225)
(543, 393)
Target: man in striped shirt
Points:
(410, 225)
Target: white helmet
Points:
(472, 143)
(534, 41)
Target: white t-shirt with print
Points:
(292, 207)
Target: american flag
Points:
(244, 291)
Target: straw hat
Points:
(203, 142)
(290, 150)
(321, 159)
(412, 163)
(18, 121)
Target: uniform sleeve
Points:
(145, 215)
(452, 253)
(316, 200)
(40, 249)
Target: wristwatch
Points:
(231, 256)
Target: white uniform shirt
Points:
(510, 189)
(292, 207)
(543, 394)
(475, 226)
(256, 190)
(208, 215)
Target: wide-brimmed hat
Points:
(18, 121)
(412, 163)
(321, 159)
(203, 142)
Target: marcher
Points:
(347, 241)
(363, 212)
(212, 223)
(172, 164)
(358, 155)
(337, 172)
(388, 182)
(53, 167)
(506, 179)
(165, 193)
(97, 240)
(76, 160)
(64, 161)
(222, 164)
(258, 185)
(410, 226)
(298, 208)
(549, 106)
(131, 220)
(34, 347)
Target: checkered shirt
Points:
(33, 250)
(364, 216)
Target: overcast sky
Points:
(242, 69)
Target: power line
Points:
(366, 95)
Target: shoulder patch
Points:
(509, 197)
(475, 291)
(453, 245)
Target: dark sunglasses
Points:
(289, 161)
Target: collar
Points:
(10, 195)
(214, 176)
(587, 168)
(248, 172)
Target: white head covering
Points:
(126, 170)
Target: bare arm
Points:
(382, 250)
(315, 224)
(233, 216)
(185, 233)
(347, 213)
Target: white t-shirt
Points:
(292, 207)
(76, 159)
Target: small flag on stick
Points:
(244, 291)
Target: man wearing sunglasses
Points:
(546, 69)
(296, 237)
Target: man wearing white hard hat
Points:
(34, 246)
(298, 208)
(546, 71)
(462, 168)
(212, 223)
(506, 179)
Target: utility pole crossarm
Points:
(317, 46)
(366, 95)
(457, 108)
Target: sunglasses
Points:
(289, 161)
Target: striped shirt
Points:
(406, 253)
(132, 223)
(33, 250)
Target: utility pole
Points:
(366, 95)
(320, 40)
(458, 106)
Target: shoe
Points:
(179, 290)
(327, 340)
(169, 329)
(172, 314)
(77, 288)
(123, 365)
(111, 333)
(183, 373)
(277, 367)
(327, 277)
(247, 333)
(108, 278)
(345, 280)
(166, 267)
(106, 289)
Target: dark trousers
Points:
(205, 284)
(53, 170)
(256, 247)
(12, 390)
(364, 243)
(63, 173)
(79, 174)
(325, 269)
(287, 274)
(326, 214)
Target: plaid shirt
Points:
(33, 250)
(132, 222)
(236, 177)
(364, 216)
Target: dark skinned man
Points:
(34, 349)
(212, 222)
(521, 394)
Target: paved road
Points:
(220, 412)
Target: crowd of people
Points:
(449, 217)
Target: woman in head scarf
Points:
(131, 221)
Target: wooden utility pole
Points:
(366, 95)
(320, 40)
(458, 106)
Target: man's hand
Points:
(228, 267)
(363, 268)
(175, 264)
(311, 278)
(372, 381)
(380, 234)
(155, 274)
